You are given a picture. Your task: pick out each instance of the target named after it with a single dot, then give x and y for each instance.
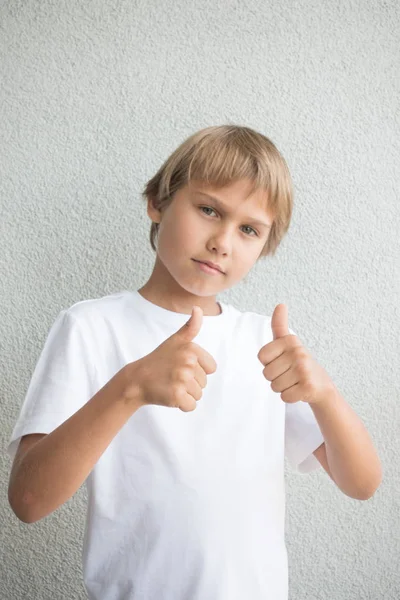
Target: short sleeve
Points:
(62, 381)
(302, 435)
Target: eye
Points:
(207, 208)
(247, 226)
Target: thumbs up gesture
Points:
(175, 373)
(290, 367)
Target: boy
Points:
(187, 504)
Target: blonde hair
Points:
(218, 156)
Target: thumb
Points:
(192, 327)
(280, 321)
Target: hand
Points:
(175, 373)
(290, 367)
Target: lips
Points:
(209, 264)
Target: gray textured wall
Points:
(94, 96)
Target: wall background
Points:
(93, 97)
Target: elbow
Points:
(21, 514)
(22, 510)
(375, 483)
(371, 493)
(366, 493)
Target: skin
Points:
(188, 232)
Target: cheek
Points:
(179, 234)
(187, 229)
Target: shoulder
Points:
(92, 308)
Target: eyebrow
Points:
(224, 208)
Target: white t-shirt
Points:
(181, 505)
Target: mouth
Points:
(206, 268)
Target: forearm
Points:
(57, 465)
(351, 456)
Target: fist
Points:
(289, 366)
(175, 373)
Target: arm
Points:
(351, 458)
(348, 450)
(54, 468)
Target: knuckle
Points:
(298, 351)
(185, 375)
(300, 356)
(303, 365)
(189, 358)
(175, 389)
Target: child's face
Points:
(188, 232)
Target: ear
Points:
(153, 213)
